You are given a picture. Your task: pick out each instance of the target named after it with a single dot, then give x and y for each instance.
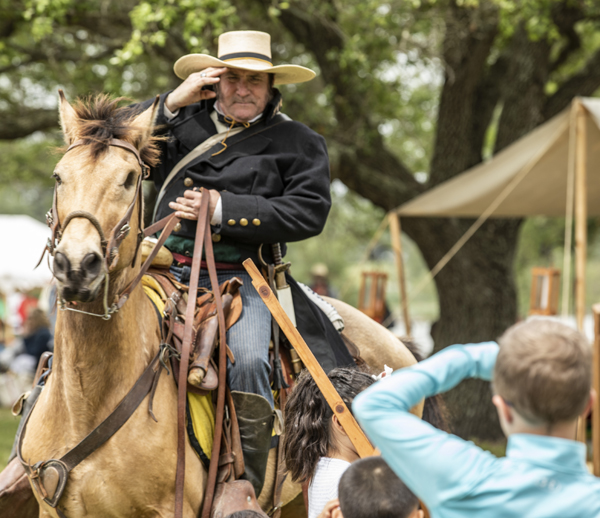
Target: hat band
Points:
(246, 55)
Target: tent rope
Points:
(428, 277)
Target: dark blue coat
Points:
(274, 184)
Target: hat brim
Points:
(284, 74)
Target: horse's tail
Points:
(435, 411)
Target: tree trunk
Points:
(477, 299)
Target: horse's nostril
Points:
(61, 263)
(91, 264)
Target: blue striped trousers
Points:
(248, 338)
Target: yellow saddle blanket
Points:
(201, 412)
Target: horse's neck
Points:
(96, 362)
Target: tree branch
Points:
(370, 168)
(565, 16)
(583, 83)
(25, 122)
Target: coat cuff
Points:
(240, 217)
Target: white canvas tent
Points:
(23, 239)
(551, 171)
(542, 159)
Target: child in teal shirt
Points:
(542, 382)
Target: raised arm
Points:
(435, 465)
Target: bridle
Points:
(110, 246)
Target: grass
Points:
(8, 429)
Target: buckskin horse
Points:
(98, 360)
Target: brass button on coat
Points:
(177, 227)
(243, 222)
(216, 238)
(231, 222)
(256, 222)
(188, 182)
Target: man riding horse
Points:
(267, 178)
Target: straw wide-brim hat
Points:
(244, 50)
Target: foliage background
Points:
(409, 94)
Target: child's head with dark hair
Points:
(245, 514)
(309, 424)
(370, 489)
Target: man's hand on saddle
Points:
(188, 206)
(190, 91)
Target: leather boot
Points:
(255, 419)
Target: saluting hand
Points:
(190, 91)
(188, 207)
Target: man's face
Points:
(243, 94)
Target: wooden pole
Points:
(580, 228)
(569, 210)
(395, 232)
(339, 408)
(596, 385)
(580, 214)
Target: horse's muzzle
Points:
(82, 283)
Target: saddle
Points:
(202, 372)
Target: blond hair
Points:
(544, 371)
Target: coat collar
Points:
(551, 452)
(196, 128)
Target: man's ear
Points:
(144, 124)
(68, 118)
(337, 513)
(590, 404)
(504, 410)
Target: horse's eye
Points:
(57, 178)
(129, 181)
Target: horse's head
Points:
(98, 201)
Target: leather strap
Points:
(94, 440)
(220, 413)
(201, 229)
(116, 419)
(168, 224)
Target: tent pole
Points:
(569, 210)
(580, 230)
(580, 215)
(395, 231)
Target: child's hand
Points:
(329, 508)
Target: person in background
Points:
(370, 489)
(541, 375)
(2, 335)
(37, 339)
(316, 446)
(320, 282)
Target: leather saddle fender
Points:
(202, 373)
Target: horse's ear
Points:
(68, 118)
(144, 124)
